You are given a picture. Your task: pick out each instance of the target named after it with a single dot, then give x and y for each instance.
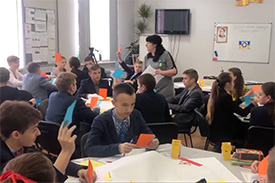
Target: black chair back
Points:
(260, 138)
(48, 138)
(83, 142)
(178, 79)
(202, 123)
(42, 107)
(165, 131)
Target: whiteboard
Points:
(239, 42)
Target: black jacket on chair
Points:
(87, 87)
(183, 106)
(153, 107)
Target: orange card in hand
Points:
(93, 102)
(119, 50)
(102, 92)
(144, 139)
(58, 57)
(256, 88)
(90, 171)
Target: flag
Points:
(244, 45)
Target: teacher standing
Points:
(163, 63)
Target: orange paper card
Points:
(44, 74)
(102, 92)
(256, 88)
(58, 57)
(144, 139)
(93, 102)
(119, 50)
(90, 171)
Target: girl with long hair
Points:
(239, 87)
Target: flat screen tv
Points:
(172, 21)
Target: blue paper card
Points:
(69, 114)
(98, 103)
(247, 100)
(53, 80)
(118, 73)
(38, 100)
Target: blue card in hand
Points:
(69, 114)
(247, 100)
(118, 73)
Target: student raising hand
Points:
(67, 143)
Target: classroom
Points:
(187, 86)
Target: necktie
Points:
(123, 131)
(20, 151)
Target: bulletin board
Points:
(242, 42)
(40, 35)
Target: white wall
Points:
(196, 49)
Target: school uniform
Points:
(10, 93)
(260, 117)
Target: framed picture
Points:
(222, 34)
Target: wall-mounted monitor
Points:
(172, 21)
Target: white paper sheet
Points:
(50, 17)
(35, 40)
(151, 71)
(51, 44)
(30, 15)
(40, 14)
(40, 26)
(28, 45)
(51, 56)
(44, 54)
(51, 31)
(249, 176)
(36, 54)
(28, 31)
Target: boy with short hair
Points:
(93, 83)
(156, 109)
(113, 131)
(19, 129)
(36, 84)
(89, 62)
(15, 76)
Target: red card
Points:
(256, 88)
(58, 57)
(90, 171)
(119, 50)
(44, 74)
(144, 139)
(93, 102)
(102, 92)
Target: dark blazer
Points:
(57, 107)
(131, 75)
(260, 117)
(183, 106)
(80, 76)
(153, 107)
(103, 140)
(87, 87)
(7, 155)
(103, 73)
(10, 93)
(225, 124)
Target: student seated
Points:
(239, 87)
(61, 100)
(112, 132)
(93, 83)
(132, 75)
(36, 84)
(89, 62)
(264, 115)
(265, 168)
(19, 129)
(61, 66)
(11, 93)
(225, 126)
(15, 76)
(152, 106)
(75, 64)
(183, 104)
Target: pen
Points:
(245, 166)
(131, 141)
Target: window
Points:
(100, 28)
(11, 33)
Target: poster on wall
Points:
(29, 15)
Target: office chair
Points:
(165, 131)
(48, 138)
(83, 142)
(42, 107)
(261, 138)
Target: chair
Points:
(261, 138)
(109, 79)
(165, 131)
(178, 79)
(48, 138)
(83, 142)
(42, 107)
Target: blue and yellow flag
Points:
(244, 45)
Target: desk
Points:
(186, 152)
(206, 88)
